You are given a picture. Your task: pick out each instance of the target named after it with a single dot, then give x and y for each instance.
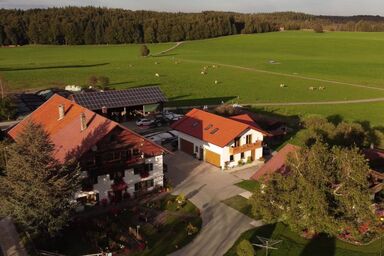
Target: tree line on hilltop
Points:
(91, 25)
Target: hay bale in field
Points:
(216, 82)
(157, 63)
(203, 73)
(312, 88)
(282, 86)
(157, 75)
(321, 88)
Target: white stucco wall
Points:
(224, 151)
(156, 174)
(104, 182)
(103, 185)
(256, 136)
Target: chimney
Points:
(61, 111)
(83, 122)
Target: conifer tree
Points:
(36, 190)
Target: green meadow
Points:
(248, 69)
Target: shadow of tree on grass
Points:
(54, 67)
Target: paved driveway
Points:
(9, 239)
(206, 186)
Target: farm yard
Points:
(287, 67)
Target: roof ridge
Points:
(119, 90)
(145, 139)
(227, 127)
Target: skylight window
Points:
(214, 130)
(208, 127)
(195, 124)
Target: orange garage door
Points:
(186, 146)
(212, 158)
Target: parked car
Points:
(159, 121)
(172, 116)
(144, 122)
(164, 138)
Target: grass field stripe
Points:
(283, 74)
(316, 102)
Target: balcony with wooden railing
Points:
(245, 147)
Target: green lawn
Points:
(249, 185)
(294, 245)
(242, 62)
(366, 112)
(241, 204)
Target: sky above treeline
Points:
(325, 7)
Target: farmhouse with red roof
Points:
(115, 161)
(220, 141)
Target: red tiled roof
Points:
(373, 154)
(200, 124)
(247, 119)
(276, 163)
(66, 133)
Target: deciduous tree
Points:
(103, 82)
(92, 81)
(144, 50)
(325, 190)
(318, 28)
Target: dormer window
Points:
(214, 130)
(208, 127)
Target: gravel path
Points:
(167, 50)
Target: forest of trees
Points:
(91, 25)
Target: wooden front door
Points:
(253, 154)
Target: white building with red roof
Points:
(220, 141)
(116, 162)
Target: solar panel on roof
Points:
(120, 98)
